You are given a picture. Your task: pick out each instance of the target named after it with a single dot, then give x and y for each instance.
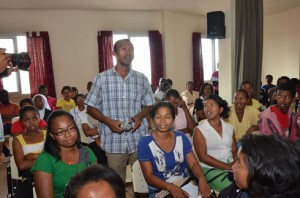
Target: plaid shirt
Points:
(120, 100)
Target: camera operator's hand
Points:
(114, 125)
(4, 60)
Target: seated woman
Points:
(27, 147)
(17, 127)
(66, 103)
(205, 91)
(41, 103)
(63, 156)
(96, 181)
(242, 117)
(164, 155)
(214, 143)
(83, 122)
(266, 167)
(183, 122)
(189, 96)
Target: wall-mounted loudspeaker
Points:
(216, 25)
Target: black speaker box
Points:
(216, 25)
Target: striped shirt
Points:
(120, 99)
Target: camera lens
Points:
(22, 60)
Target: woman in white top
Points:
(88, 126)
(215, 144)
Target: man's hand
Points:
(137, 123)
(4, 60)
(6, 66)
(114, 125)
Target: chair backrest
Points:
(10, 141)
(138, 180)
(14, 169)
(83, 137)
(15, 119)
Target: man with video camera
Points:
(6, 66)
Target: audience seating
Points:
(138, 180)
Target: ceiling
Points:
(182, 6)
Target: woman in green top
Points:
(63, 156)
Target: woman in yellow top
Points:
(66, 103)
(27, 147)
(242, 117)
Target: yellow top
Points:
(250, 118)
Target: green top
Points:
(60, 171)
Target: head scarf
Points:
(44, 99)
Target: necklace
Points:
(68, 159)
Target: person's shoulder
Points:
(139, 74)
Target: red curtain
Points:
(41, 69)
(198, 76)
(156, 54)
(105, 49)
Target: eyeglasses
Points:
(62, 132)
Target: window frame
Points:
(213, 57)
(129, 36)
(14, 36)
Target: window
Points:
(210, 55)
(141, 61)
(17, 82)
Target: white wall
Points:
(74, 43)
(281, 50)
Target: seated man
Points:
(278, 119)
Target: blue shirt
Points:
(120, 99)
(169, 167)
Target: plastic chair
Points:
(83, 137)
(128, 178)
(10, 141)
(139, 183)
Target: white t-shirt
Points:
(218, 147)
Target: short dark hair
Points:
(25, 100)
(246, 82)
(74, 89)
(222, 103)
(65, 88)
(78, 95)
(93, 174)
(203, 87)
(171, 93)
(243, 91)
(117, 44)
(160, 105)
(51, 145)
(287, 87)
(269, 76)
(274, 166)
(189, 82)
(281, 78)
(25, 109)
(42, 87)
(170, 82)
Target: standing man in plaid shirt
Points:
(120, 99)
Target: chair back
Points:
(139, 183)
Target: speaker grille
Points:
(216, 25)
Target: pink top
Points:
(268, 124)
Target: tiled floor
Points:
(3, 184)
